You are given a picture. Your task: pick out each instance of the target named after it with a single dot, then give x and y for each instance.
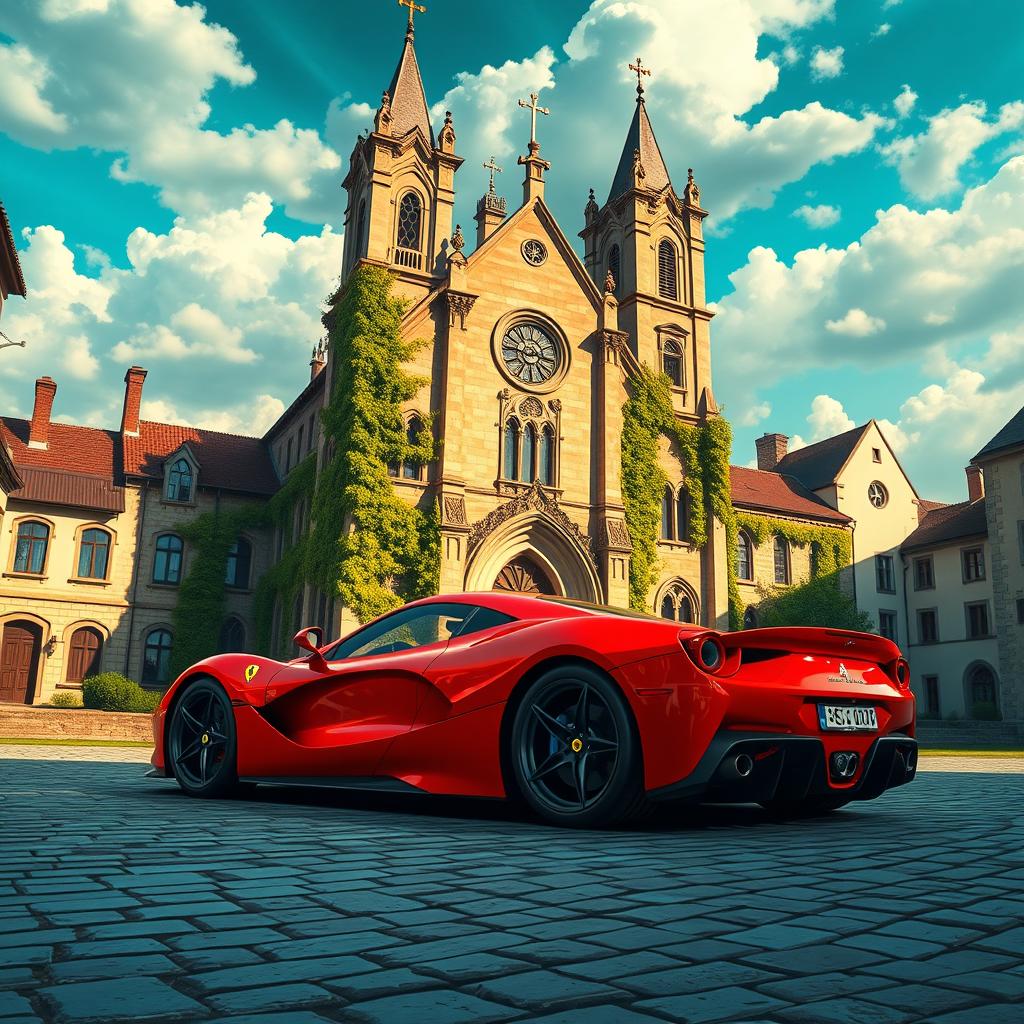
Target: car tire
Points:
(202, 741)
(812, 808)
(577, 774)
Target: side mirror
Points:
(311, 638)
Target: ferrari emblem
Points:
(250, 672)
(577, 745)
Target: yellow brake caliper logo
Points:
(250, 672)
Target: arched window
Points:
(685, 609)
(510, 460)
(411, 469)
(667, 270)
(981, 692)
(93, 554)
(613, 265)
(781, 549)
(546, 463)
(745, 557)
(179, 481)
(30, 549)
(668, 607)
(232, 636)
(682, 515)
(677, 604)
(409, 217)
(84, 650)
(529, 450)
(672, 362)
(750, 617)
(361, 230)
(239, 565)
(167, 559)
(666, 513)
(156, 659)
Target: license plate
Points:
(847, 719)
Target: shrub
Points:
(817, 602)
(111, 691)
(66, 699)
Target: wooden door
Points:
(19, 658)
(84, 654)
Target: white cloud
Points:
(827, 63)
(754, 414)
(251, 418)
(828, 418)
(822, 216)
(856, 324)
(929, 164)
(218, 308)
(904, 102)
(883, 30)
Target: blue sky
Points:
(172, 173)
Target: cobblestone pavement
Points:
(121, 899)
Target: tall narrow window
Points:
(529, 448)
(510, 459)
(745, 557)
(156, 660)
(409, 216)
(232, 636)
(672, 362)
(30, 551)
(668, 607)
(668, 287)
(93, 553)
(361, 231)
(411, 468)
(239, 565)
(167, 559)
(666, 514)
(179, 481)
(613, 266)
(781, 560)
(546, 463)
(682, 515)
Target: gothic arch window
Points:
(156, 657)
(232, 636)
(668, 285)
(167, 559)
(510, 450)
(546, 462)
(31, 547)
(529, 452)
(678, 602)
(781, 550)
(239, 565)
(672, 362)
(682, 514)
(745, 557)
(614, 262)
(667, 502)
(412, 469)
(982, 691)
(179, 481)
(410, 217)
(361, 230)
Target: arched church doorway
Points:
(523, 575)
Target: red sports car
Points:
(589, 714)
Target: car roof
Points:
(533, 606)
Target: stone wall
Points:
(24, 722)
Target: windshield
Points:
(599, 609)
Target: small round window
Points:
(877, 494)
(530, 354)
(534, 252)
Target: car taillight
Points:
(706, 651)
(902, 673)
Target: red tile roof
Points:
(762, 491)
(65, 487)
(949, 523)
(817, 465)
(227, 461)
(70, 447)
(12, 281)
(925, 506)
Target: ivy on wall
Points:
(831, 547)
(368, 545)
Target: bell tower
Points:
(401, 182)
(647, 243)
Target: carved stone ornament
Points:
(590, 209)
(614, 342)
(618, 535)
(555, 405)
(533, 500)
(454, 510)
(458, 239)
(692, 189)
(382, 122)
(531, 407)
(459, 306)
(638, 169)
(609, 283)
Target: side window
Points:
(167, 559)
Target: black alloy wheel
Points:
(575, 753)
(201, 741)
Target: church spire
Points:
(406, 100)
(641, 162)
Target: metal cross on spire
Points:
(413, 7)
(640, 70)
(492, 167)
(534, 111)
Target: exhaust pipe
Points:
(735, 768)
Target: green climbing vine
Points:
(368, 545)
(831, 547)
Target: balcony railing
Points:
(411, 258)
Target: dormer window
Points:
(180, 481)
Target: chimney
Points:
(133, 381)
(39, 430)
(975, 483)
(771, 450)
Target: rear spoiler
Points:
(815, 640)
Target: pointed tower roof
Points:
(640, 138)
(408, 100)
